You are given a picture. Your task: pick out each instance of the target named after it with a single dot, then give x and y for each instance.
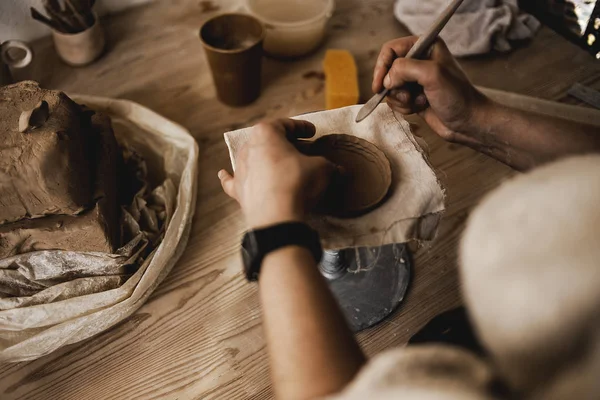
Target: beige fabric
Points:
(531, 273)
(530, 269)
(416, 201)
(422, 372)
(479, 26)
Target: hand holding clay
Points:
(443, 95)
(274, 182)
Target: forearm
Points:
(524, 140)
(312, 351)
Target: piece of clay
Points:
(365, 179)
(95, 229)
(45, 170)
(34, 118)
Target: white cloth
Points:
(478, 26)
(416, 200)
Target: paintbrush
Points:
(35, 14)
(419, 50)
(75, 13)
(68, 16)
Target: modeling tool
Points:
(419, 50)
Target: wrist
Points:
(273, 213)
(477, 130)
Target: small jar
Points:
(81, 48)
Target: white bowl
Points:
(293, 27)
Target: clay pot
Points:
(366, 178)
(82, 48)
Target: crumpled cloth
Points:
(478, 27)
(415, 204)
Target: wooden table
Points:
(199, 335)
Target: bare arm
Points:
(524, 140)
(312, 351)
(459, 113)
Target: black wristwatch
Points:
(258, 243)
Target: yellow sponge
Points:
(341, 79)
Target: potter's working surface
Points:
(368, 283)
(365, 179)
(200, 334)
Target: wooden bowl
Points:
(366, 178)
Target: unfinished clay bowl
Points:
(365, 180)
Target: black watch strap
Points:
(260, 242)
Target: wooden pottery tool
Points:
(365, 180)
(66, 16)
(419, 50)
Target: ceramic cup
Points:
(8, 59)
(82, 48)
(233, 47)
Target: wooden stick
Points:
(76, 14)
(35, 14)
(57, 16)
(419, 50)
(55, 5)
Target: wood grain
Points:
(199, 336)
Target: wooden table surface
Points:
(199, 336)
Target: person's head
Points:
(530, 265)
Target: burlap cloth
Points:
(416, 201)
(49, 299)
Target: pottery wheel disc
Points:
(366, 179)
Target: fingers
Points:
(322, 173)
(299, 129)
(395, 49)
(425, 73)
(293, 128)
(227, 183)
(407, 102)
(389, 52)
(397, 106)
(439, 52)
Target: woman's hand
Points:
(273, 182)
(444, 97)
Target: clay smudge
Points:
(320, 75)
(207, 6)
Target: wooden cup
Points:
(233, 47)
(82, 48)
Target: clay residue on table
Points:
(320, 75)
(208, 6)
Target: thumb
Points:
(227, 183)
